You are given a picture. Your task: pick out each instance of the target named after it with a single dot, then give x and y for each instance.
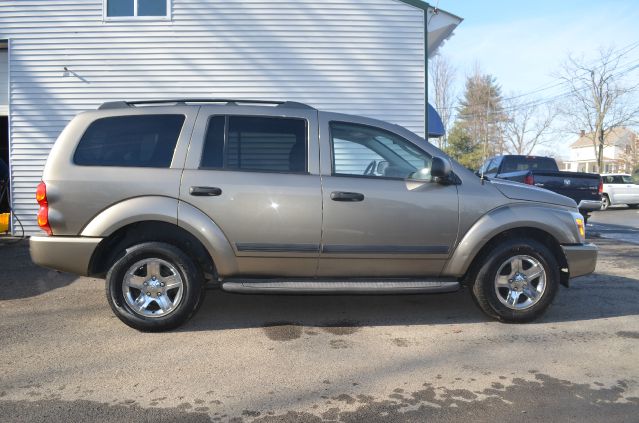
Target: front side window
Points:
(130, 141)
(137, 8)
(253, 143)
(360, 150)
(494, 166)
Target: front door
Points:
(251, 174)
(383, 216)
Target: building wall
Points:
(355, 56)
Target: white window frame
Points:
(135, 16)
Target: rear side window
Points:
(262, 144)
(130, 141)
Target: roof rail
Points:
(183, 101)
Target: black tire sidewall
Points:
(484, 288)
(191, 279)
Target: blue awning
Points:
(435, 125)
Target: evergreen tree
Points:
(462, 148)
(481, 114)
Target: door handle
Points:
(347, 196)
(205, 191)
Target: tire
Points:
(605, 202)
(496, 300)
(171, 279)
(633, 206)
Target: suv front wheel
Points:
(517, 281)
(154, 287)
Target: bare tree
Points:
(600, 98)
(527, 126)
(442, 78)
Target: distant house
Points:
(621, 144)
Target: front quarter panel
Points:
(559, 222)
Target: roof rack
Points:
(183, 101)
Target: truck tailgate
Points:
(580, 186)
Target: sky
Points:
(523, 43)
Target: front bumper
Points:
(581, 258)
(589, 205)
(68, 254)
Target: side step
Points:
(357, 286)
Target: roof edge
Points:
(427, 6)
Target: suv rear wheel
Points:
(154, 287)
(517, 281)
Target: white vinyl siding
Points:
(354, 56)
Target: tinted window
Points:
(213, 153)
(130, 141)
(517, 163)
(360, 150)
(266, 144)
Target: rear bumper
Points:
(582, 258)
(589, 205)
(67, 254)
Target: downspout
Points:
(426, 9)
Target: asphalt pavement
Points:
(619, 223)
(65, 357)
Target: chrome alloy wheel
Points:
(520, 282)
(152, 287)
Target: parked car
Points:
(584, 188)
(619, 188)
(161, 198)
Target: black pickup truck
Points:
(543, 172)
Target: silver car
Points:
(165, 197)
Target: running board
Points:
(313, 286)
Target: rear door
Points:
(632, 189)
(383, 217)
(255, 173)
(623, 189)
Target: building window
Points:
(144, 9)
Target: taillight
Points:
(43, 212)
(600, 186)
(529, 179)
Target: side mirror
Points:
(440, 169)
